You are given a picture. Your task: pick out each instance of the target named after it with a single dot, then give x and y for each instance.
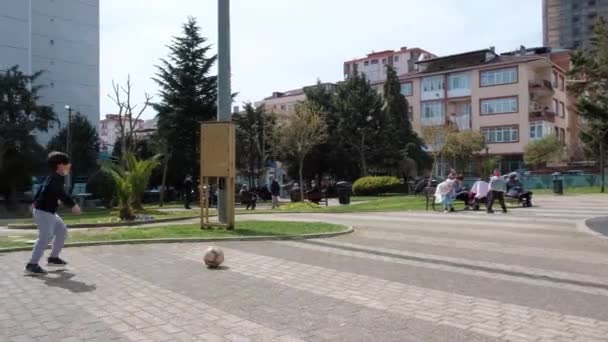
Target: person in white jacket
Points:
(443, 195)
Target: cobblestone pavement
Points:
(531, 275)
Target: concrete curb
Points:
(348, 230)
(108, 224)
(582, 226)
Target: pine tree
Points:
(188, 96)
(85, 145)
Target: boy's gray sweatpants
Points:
(49, 226)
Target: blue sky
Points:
(285, 44)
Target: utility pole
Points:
(68, 147)
(223, 91)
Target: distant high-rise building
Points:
(569, 23)
(61, 38)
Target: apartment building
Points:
(283, 104)
(109, 130)
(569, 23)
(373, 66)
(61, 38)
(512, 99)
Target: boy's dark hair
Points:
(57, 158)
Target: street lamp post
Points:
(68, 147)
(223, 91)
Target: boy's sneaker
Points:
(56, 262)
(34, 270)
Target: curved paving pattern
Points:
(531, 275)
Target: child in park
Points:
(50, 225)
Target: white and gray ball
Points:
(214, 257)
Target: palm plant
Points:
(131, 181)
(124, 190)
(139, 173)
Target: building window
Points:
(52, 42)
(554, 79)
(432, 113)
(374, 61)
(555, 106)
(536, 130)
(395, 58)
(383, 60)
(505, 134)
(434, 83)
(406, 89)
(562, 110)
(562, 83)
(562, 136)
(282, 107)
(459, 81)
(366, 63)
(575, 19)
(499, 106)
(591, 2)
(498, 77)
(410, 112)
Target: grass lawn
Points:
(98, 215)
(245, 228)
(368, 204)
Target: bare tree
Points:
(307, 130)
(128, 115)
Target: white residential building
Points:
(373, 66)
(61, 38)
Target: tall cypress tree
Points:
(188, 96)
(400, 140)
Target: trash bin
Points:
(558, 184)
(344, 190)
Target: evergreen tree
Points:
(188, 96)
(255, 141)
(359, 118)
(400, 140)
(330, 157)
(20, 118)
(590, 72)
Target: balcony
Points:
(539, 112)
(541, 87)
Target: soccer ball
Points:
(213, 257)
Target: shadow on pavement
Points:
(64, 281)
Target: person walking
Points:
(275, 191)
(44, 208)
(188, 185)
(498, 187)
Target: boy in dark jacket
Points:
(50, 225)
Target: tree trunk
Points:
(301, 173)
(435, 156)
(602, 166)
(164, 180)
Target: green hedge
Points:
(370, 186)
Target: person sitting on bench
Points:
(515, 189)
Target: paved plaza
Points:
(535, 274)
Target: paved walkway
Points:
(530, 275)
